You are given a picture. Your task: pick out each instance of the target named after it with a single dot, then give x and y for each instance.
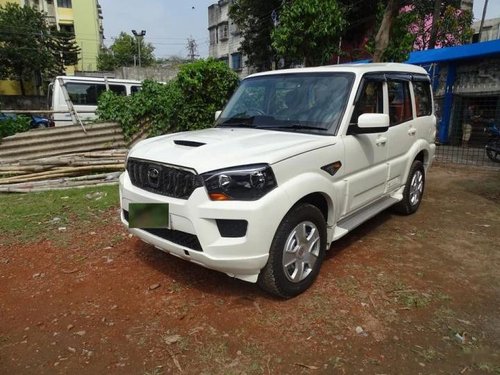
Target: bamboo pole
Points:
(60, 172)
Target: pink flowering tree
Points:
(419, 25)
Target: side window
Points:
(399, 102)
(85, 93)
(423, 102)
(118, 89)
(135, 89)
(371, 100)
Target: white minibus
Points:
(84, 93)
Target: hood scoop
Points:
(181, 142)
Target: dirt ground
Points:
(399, 295)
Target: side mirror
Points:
(370, 123)
(373, 121)
(217, 115)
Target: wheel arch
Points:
(319, 200)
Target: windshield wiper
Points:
(296, 127)
(235, 125)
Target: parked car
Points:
(296, 160)
(84, 93)
(35, 121)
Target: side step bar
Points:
(347, 224)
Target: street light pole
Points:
(138, 37)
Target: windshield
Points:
(304, 102)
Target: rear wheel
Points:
(296, 253)
(414, 190)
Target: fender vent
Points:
(180, 142)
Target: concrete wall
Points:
(162, 74)
(23, 102)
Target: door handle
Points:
(412, 131)
(381, 141)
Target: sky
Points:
(169, 23)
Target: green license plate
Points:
(148, 215)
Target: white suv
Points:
(297, 159)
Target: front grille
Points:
(180, 238)
(162, 179)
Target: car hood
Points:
(216, 148)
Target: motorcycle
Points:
(492, 147)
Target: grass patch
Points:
(26, 218)
(349, 285)
(427, 354)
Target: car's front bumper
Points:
(196, 219)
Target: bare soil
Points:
(399, 295)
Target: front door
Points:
(366, 154)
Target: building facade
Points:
(225, 38)
(490, 31)
(83, 18)
(463, 77)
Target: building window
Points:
(64, 4)
(213, 36)
(68, 30)
(236, 61)
(223, 31)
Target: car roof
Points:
(353, 68)
(98, 79)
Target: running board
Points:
(347, 224)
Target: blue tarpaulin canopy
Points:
(467, 51)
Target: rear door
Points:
(402, 131)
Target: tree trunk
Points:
(21, 83)
(434, 29)
(384, 32)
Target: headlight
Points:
(245, 183)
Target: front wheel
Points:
(414, 190)
(296, 253)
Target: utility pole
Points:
(482, 19)
(139, 37)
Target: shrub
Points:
(13, 125)
(188, 102)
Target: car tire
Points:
(296, 253)
(414, 190)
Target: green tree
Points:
(309, 30)
(124, 52)
(64, 51)
(29, 48)
(106, 61)
(185, 103)
(254, 19)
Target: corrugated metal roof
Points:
(467, 51)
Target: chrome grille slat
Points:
(171, 181)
